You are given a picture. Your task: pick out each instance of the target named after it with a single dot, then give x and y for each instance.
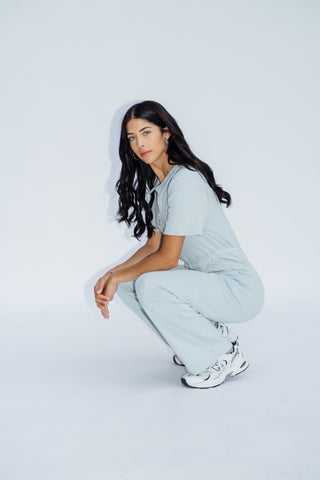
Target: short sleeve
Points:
(186, 203)
(153, 221)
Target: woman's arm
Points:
(151, 246)
(165, 258)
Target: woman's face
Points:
(146, 137)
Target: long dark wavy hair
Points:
(136, 176)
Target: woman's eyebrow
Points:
(139, 130)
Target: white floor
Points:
(84, 398)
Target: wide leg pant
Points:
(181, 305)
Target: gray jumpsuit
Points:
(215, 283)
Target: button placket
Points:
(158, 212)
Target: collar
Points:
(159, 186)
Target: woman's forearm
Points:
(156, 261)
(139, 255)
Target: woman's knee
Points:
(146, 286)
(125, 288)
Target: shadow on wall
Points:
(112, 201)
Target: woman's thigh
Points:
(214, 295)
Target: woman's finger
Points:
(101, 300)
(99, 286)
(105, 312)
(100, 295)
(102, 283)
(100, 305)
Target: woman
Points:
(166, 190)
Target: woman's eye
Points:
(148, 131)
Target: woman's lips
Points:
(145, 153)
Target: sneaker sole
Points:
(243, 368)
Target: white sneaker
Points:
(228, 365)
(225, 331)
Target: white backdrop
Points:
(242, 80)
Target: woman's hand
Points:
(104, 291)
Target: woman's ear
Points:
(167, 132)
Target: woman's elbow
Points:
(172, 263)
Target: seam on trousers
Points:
(145, 313)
